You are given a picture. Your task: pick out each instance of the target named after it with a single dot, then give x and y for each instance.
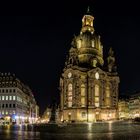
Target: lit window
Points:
(92, 43)
(69, 104)
(83, 90)
(6, 112)
(70, 95)
(10, 97)
(2, 97)
(107, 102)
(96, 90)
(70, 87)
(69, 75)
(83, 101)
(94, 63)
(97, 99)
(2, 112)
(6, 97)
(70, 98)
(79, 42)
(83, 93)
(107, 96)
(107, 91)
(14, 97)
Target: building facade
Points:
(134, 106)
(46, 115)
(88, 90)
(129, 106)
(123, 109)
(17, 103)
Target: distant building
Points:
(129, 106)
(134, 105)
(88, 89)
(123, 109)
(17, 102)
(51, 114)
(46, 116)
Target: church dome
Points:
(88, 44)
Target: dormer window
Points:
(92, 43)
(94, 63)
(79, 42)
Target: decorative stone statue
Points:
(73, 59)
(111, 61)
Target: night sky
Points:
(35, 38)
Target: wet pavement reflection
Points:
(89, 131)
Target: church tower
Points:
(87, 91)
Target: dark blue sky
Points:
(35, 38)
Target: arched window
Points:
(107, 96)
(97, 94)
(97, 90)
(70, 95)
(107, 91)
(83, 94)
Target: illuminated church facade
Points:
(88, 89)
